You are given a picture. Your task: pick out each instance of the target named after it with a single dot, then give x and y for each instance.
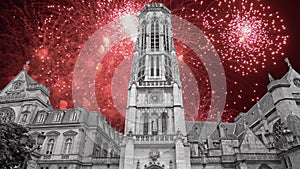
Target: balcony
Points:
(62, 157)
(152, 139)
(105, 160)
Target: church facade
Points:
(156, 134)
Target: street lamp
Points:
(270, 138)
(288, 135)
(25, 138)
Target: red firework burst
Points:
(246, 34)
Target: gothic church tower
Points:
(155, 123)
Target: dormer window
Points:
(73, 116)
(41, 118)
(24, 118)
(57, 116)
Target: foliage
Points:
(14, 145)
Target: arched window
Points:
(57, 116)
(277, 129)
(152, 36)
(167, 38)
(104, 150)
(145, 125)
(41, 118)
(164, 123)
(152, 66)
(143, 38)
(157, 66)
(24, 118)
(74, 116)
(164, 37)
(156, 35)
(50, 146)
(155, 126)
(264, 166)
(68, 145)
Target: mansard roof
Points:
(65, 116)
(154, 7)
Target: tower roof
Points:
(155, 7)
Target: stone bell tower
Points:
(155, 125)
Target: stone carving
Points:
(297, 82)
(155, 97)
(154, 154)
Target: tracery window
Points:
(154, 35)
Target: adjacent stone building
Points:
(156, 133)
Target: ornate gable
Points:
(17, 86)
(251, 143)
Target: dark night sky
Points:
(14, 51)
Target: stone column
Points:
(129, 153)
(150, 126)
(180, 153)
(170, 126)
(159, 125)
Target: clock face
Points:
(7, 114)
(297, 82)
(155, 98)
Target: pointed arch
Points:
(156, 35)
(146, 125)
(164, 118)
(264, 166)
(152, 36)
